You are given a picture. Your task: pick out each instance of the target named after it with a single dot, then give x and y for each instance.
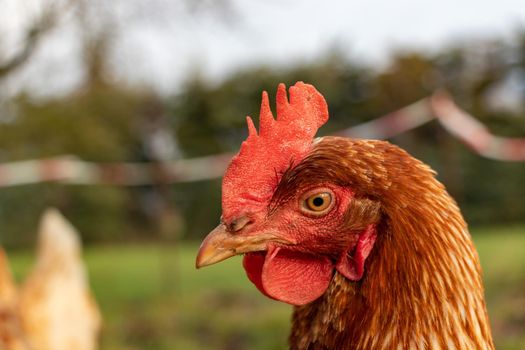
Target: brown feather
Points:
(422, 287)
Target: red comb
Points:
(255, 171)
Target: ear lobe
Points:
(353, 267)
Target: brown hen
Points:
(357, 234)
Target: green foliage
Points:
(18, 206)
(97, 124)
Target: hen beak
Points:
(221, 244)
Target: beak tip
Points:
(204, 256)
(199, 263)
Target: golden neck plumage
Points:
(422, 287)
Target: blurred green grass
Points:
(152, 297)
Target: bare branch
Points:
(33, 37)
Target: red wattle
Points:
(353, 267)
(253, 265)
(292, 277)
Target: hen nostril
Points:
(239, 223)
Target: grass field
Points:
(152, 297)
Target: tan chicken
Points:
(54, 308)
(357, 234)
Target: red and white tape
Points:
(473, 133)
(439, 106)
(455, 120)
(71, 170)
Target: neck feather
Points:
(422, 287)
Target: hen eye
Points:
(317, 203)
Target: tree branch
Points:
(32, 38)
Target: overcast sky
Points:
(161, 53)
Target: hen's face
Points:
(286, 209)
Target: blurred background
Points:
(134, 81)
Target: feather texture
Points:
(422, 288)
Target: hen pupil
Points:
(318, 201)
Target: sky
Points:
(162, 48)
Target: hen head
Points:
(287, 207)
